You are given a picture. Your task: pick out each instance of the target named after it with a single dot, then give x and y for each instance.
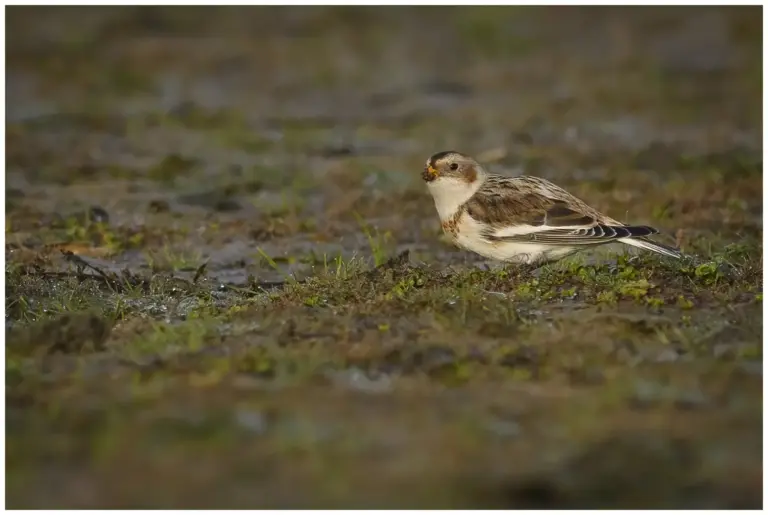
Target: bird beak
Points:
(429, 174)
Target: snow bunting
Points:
(525, 220)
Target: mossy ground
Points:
(226, 288)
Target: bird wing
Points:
(532, 210)
(594, 235)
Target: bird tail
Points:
(646, 244)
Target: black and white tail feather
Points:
(643, 243)
(597, 234)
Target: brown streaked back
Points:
(527, 200)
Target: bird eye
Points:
(454, 166)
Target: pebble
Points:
(667, 356)
(253, 421)
(356, 379)
(648, 393)
(504, 428)
(753, 367)
(98, 215)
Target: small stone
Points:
(434, 357)
(158, 206)
(252, 421)
(504, 428)
(14, 193)
(691, 399)
(646, 393)
(723, 350)
(667, 356)
(186, 306)
(356, 379)
(98, 215)
(753, 367)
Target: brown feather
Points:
(504, 201)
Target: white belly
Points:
(468, 236)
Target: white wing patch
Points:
(519, 230)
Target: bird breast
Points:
(450, 195)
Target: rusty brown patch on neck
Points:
(451, 225)
(470, 175)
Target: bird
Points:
(525, 220)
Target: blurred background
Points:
(259, 139)
(330, 113)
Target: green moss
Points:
(709, 273)
(162, 340)
(607, 297)
(654, 302)
(635, 289)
